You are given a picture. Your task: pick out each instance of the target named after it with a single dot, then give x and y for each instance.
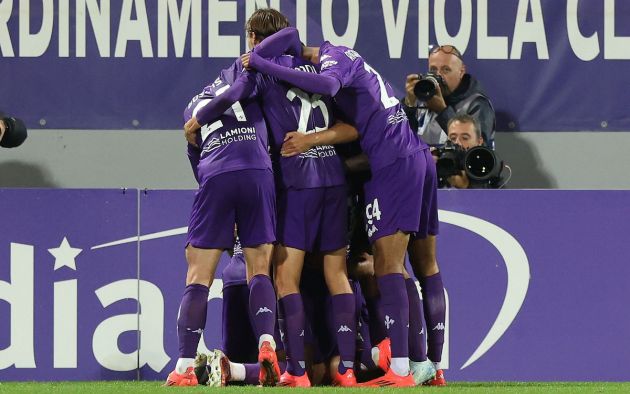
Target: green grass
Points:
(455, 387)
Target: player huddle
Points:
(266, 140)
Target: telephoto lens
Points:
(481, 163)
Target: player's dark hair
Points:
(465, 118)
(266, 21)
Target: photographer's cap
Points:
(15, 133)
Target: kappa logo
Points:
(263, 310)
(389, 322)
(439, 327)
(213, 144)
(344, 328)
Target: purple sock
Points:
(262, 305)
(293, 319)
(376, 318)
(417, 347)
(276, 334)
(364, 344)
(396, 310)
(343, 307)
(434, 314)
(251, 373)
(192, 319)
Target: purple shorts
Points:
(245, 197)
(313, 220)
(403, 197)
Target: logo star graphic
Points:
(65, 255)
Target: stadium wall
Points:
(157, 160)
(91, 280)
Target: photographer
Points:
(463, 135)
(12, 131)
(452, 91)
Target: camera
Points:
(426, 87)
(15, 132)
(480, 163)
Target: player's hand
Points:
(459, 181)
(294, 144)
(191, 128)
(245, 60)
(410, 98)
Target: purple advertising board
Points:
(100, 64)
(67, 312)
(535, 283)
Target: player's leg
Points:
(288, 270)
(388, 266)
(422, 256)
(216, 369)
(421, 368)
(191, 322)
(239, 342)
(262, 297)
(333, 241)
(393, 198)
(424, 263)
(343, 315)
(262, 311)
(210, 231)
(361, 265)
(256, 221)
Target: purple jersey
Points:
(287, 108)
(368, 101)
(236, 140)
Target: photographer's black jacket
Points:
(469, 98)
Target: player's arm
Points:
(357, 163)
(285, 41)
(296, 143)
(240, 89)
(309, 82)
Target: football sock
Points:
(343, 308)
(376, 318)
(262, 306)
(400, 366)
(417, 346)
(251, 374)
(293, 318)
(395, 306)
(434, 314)
(192, 319)
(238, 371)
(183, 364)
